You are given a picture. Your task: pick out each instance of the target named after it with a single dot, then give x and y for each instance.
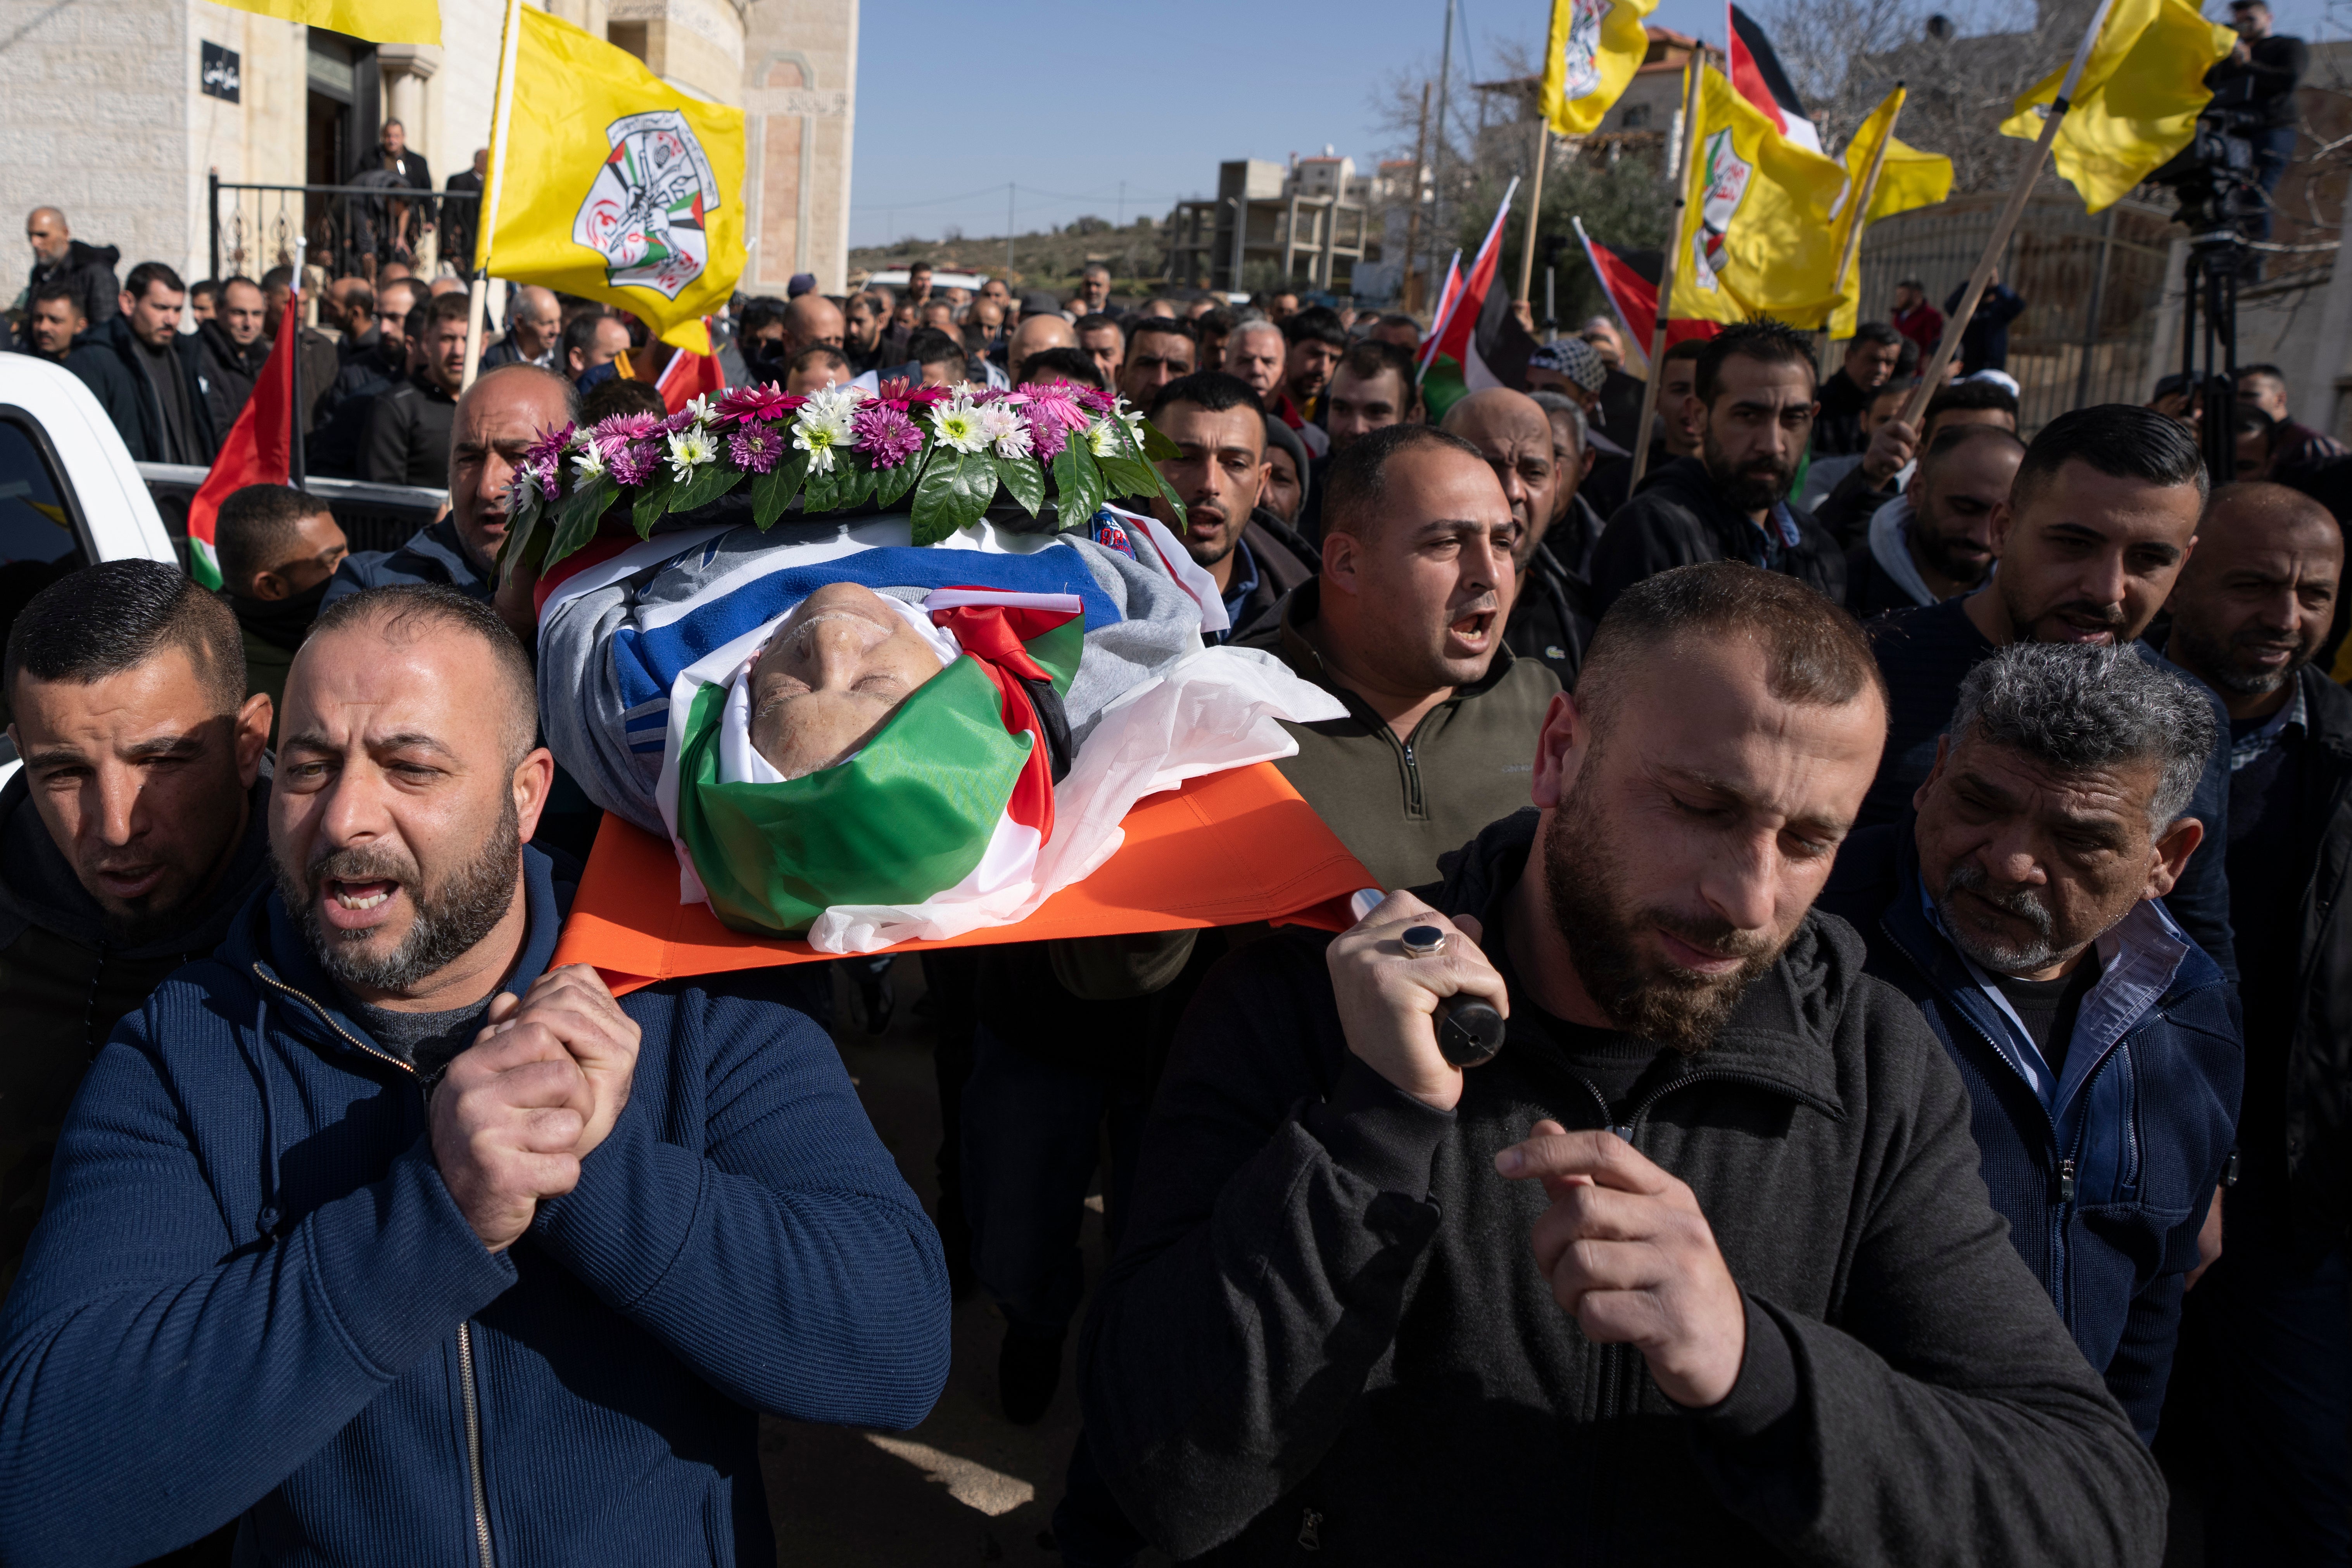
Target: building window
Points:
(1635, 118)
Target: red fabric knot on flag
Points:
(993, 634)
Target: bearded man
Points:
(1698, 1269)
(1731, 502)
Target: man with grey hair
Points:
(2022, 908)
(1552, 619)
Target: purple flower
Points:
(684, 419)
(632, 462)
(756, 447)
(1096, 398)
(619, 428)
(885, 435)
(547, 450)
(1046, 438)
(551, 477)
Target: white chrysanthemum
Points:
(1099, 440)
(703, 408)
(959, 425)
(1006, 432)
(822, 425)
(690, 450)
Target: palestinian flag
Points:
(1631, 281)
(1756, 73)
(683, 377)
(953, 797)
(259, 449)
(1474, 324)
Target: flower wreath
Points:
(836, 449)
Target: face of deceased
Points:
(836, 669)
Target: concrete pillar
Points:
(406, 68)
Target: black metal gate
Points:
(350, 229)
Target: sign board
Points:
(220, 72)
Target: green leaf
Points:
(772, 491)
(861, 482)
(711, 481)
(1174, 505)
(823, 490)
(1158, 448)
(953, 493)
(517, 545)
(651, 503)
(1077, 483)
(889, 484)
(1024, 481)
(576, 519)
(1127, 474)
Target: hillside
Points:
(1041, 259)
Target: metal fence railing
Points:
(253, 228)
(2092, 287)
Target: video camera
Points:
(2213, 177)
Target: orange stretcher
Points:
(1225, 849)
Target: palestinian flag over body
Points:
(1755, 72)
(259, 449)
(1474, 324)
(939, 804)
(1631, 284)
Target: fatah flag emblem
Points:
(1728, 175)
(1580, 56)
(645, 212)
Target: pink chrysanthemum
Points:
(1046, 437)
(744, 403)
(756, 447)
(1096, 398)
(613, 431)
(885, 435)
(1056, 403)
(631, 462)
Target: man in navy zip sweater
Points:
(377, 1234)
(2022, 908)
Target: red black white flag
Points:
(1756, 73)
(1630, 278)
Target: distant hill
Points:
(1051, 260)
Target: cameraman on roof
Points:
(2259, 76)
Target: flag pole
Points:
(297, 464)
(1666, 270)
(1535, 204)
(486, 220)
(1869, 194)
(1931, 374)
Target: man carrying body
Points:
(1934, 541)
(2098, 523)
(494, 424)
(278, 550)
(130, 836)
(414, 1340)
(1755, 382)
(2250, 612)
(2022, 911)
(1404, 625)
(1754, 1304)
(1219, 473)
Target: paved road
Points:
(966, 1486)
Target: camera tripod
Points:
(2217, 260)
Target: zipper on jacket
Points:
(2066, 1181)
(483, 1553)
(465, 1329)
(1412, 801)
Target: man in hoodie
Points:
(1697, 1270)
(1731, 502)
(277, 550)
(231, 349)
(450, 1256)
(59, 258)
(135, 828)
(495, 423)
(2022, 908)
(1934, 541)
(155, 401)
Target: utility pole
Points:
(1008, 234)
(1122, 205)
(1437, 175)
(1413, 222)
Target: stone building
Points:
(118, 112)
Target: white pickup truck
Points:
(70, 494)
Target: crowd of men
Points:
(1907, 857)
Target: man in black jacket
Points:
(145, 372)
(1753, 1306)
(137, 827)
(59, 258)
(1984, 341)
(1869, 361)
(2251, 608)
(1730, 503)
(400, 222)
(2099, 521)
(1551, 619)
(407, 440)
(231, 350)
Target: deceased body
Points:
(850, 737)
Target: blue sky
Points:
(1067, 99)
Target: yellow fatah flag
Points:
(617, 186)
(377, 21)
(2137, 102)
(1908, 178)
(1594, 49)
(1756, 237)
